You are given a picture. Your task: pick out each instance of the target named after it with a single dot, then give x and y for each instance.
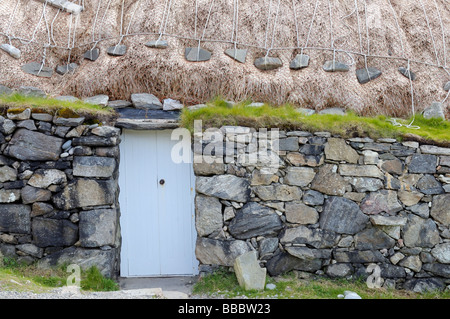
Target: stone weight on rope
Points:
(365, 75)
(268, 63)
(92, 55)
(157, 44)
(197, 54)
(237, 54)
(435, 110)
(36, 68)
(406, 73)
(11, 50)
(300, 61)
(63, 69)
(117, 50)
(447, 86)
(335, 66)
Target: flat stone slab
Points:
(365, 75)
(11, 50)
(36, 68)
(300, 61)
(197, 54)
(92, 55)
(268, 63)
(157, 44)
(132, 113)
(117, 50)
(237, 54)
(335, 66)
(146, 101)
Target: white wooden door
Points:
(157, 207)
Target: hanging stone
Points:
(157, 44)
(300, 61)
(92, 54)
(406, 73)
(363, 76)
(268, 63)
(237, 54)
(11, 50)
(335, 66)
(197, 54)
(447, 86)
(63, 69)
(117, 50)
(37, 69)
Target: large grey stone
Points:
(268, 63)
(86, 193)
(343, 216)
(434, 150)
(304, 252)
(442, 270)
(228, 187)
(38, 69)
(43, 178)
(94, 140)
(100, 99)
(313, 198)
(328, 182)
(34, 146)
(365, 75)
(278, 192)
(380, 220)
(7, 174)
(360, 170)
(7, 126)
(335, 66)
(440, 209)
(424, 285)
(300, 61)
(298, 213)
(336, 149)
(420, 232)
(98, 227)
(381, 201)
(146, 101)
(208, 215)
(372, 239)
(365, 184)
(248, 272)
(220, 252)
(358, 256)
(237, 54)
(315, 237)
(93, 166)
(435, 110)
(442, 253)
(299, 176)
(15, 218)
(49, 232)
(339, 270)
(285, 262)
(429, 185)
(197, 54)
(9, 195)
(104, 260)
(288, 144)
(254, 220)
(32, 91)
(31, 250)
(423, 163)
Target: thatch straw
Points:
(166, 73)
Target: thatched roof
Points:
(388, 32)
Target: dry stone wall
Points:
(59, 191)
(324, 205)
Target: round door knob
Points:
(161, 181)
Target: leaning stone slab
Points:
(15, 218)
(254, 220)
(335, 66)
(227, 187)
(365, 75)
(11, 50)
(237, 54)
(268, 63)
(93, 166)
(98, 227)
(34, 146)
(248, 272)
(197, 54)
(37, 69)
(343, 216)
(220, 252)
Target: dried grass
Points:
(166, 73)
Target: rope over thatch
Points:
(381, 34)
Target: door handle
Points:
(162, 182)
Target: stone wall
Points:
(59, 191)
(326, 205)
